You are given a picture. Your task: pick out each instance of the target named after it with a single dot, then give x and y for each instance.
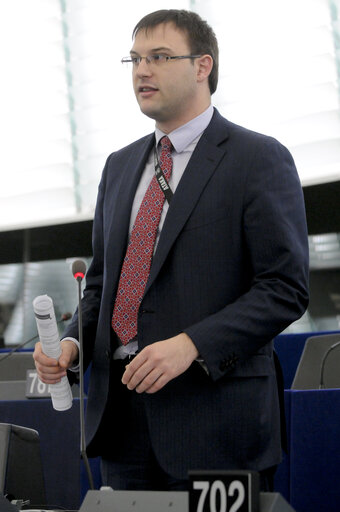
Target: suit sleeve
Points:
(94, 282)
(276, 252)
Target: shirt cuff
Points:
(74, 368)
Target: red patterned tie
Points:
(136, 266)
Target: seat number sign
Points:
(224, 491)
(34, 387)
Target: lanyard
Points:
(161, 179)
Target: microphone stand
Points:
(81, 386)
(18, 347)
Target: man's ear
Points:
(205, 65)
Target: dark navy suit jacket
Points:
(230, 270)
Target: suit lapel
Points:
(120, 211)
(198, 172)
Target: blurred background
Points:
(66, 102)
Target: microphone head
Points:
(79, 269)
(66, 316)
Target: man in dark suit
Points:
(183, 375)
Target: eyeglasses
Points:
(156, 58)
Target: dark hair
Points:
(201, 37)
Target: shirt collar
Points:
(186, 134)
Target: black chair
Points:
(21, 473)
(319, 365)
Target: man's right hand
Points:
(50, 371)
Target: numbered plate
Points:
(224, 491)
(34, 387)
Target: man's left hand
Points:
(159, 363)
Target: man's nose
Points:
(143, 68)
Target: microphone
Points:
(64, 317)
(79, 271)
(323, 362)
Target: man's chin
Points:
(149, 112)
